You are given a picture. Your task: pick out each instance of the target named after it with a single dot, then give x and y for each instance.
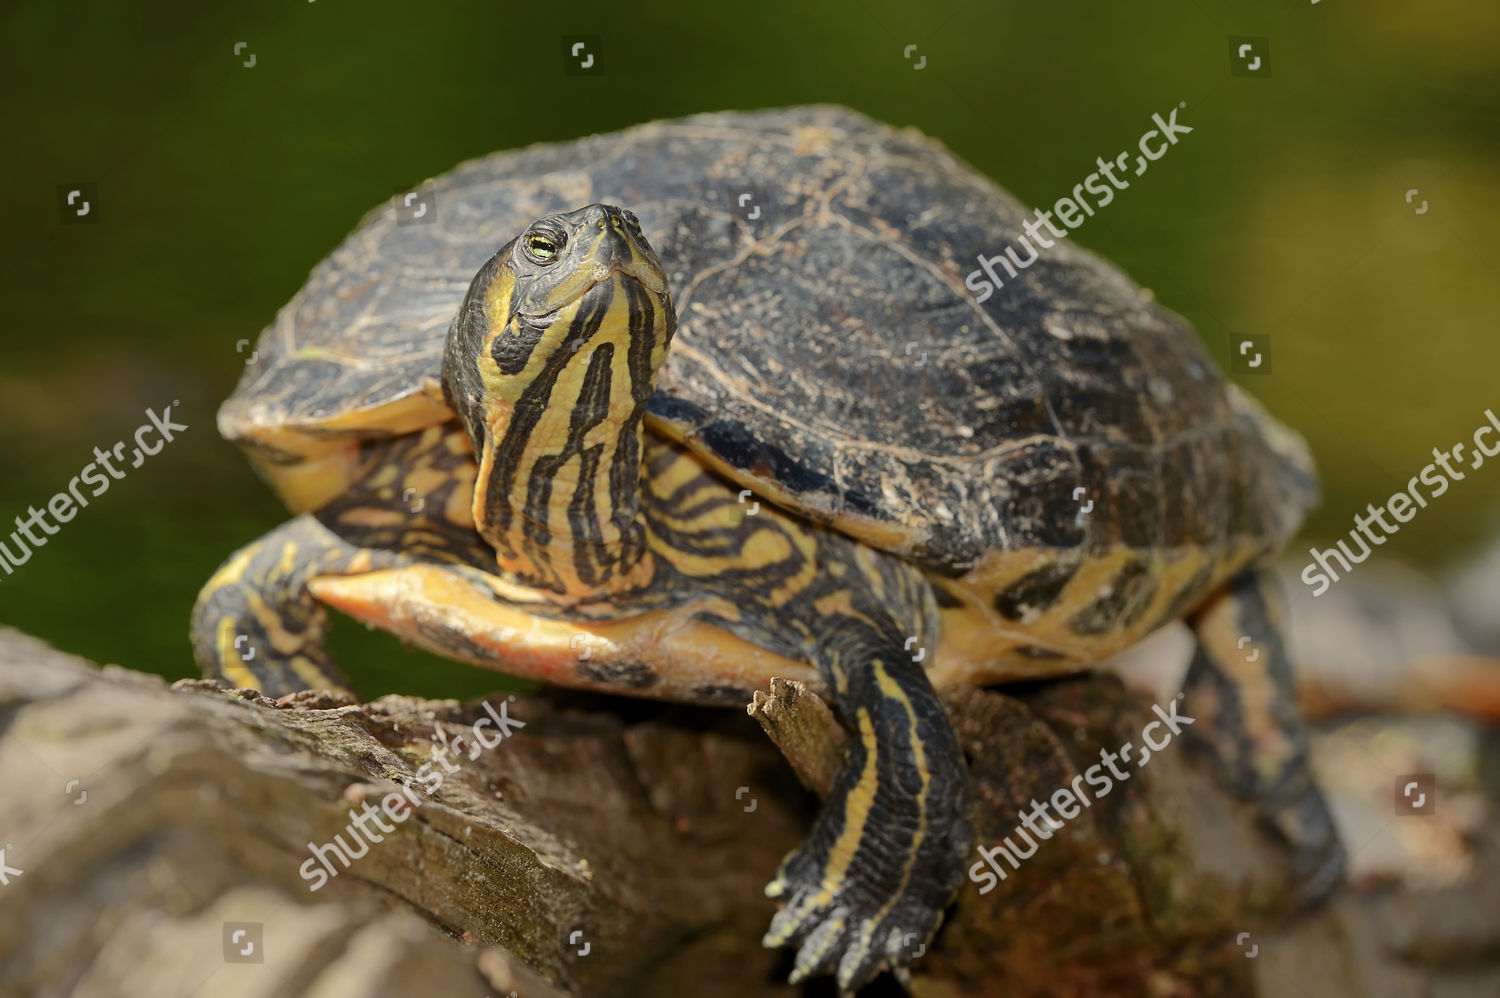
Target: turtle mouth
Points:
(579, 287)
(644, 273)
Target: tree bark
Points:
(608, 847)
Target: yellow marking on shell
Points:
(1172, 577)
(323, 475)
(979, 645)
(328, 452)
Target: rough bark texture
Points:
(804, 729)
(612, 847)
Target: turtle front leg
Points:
(886, 854)
(256, 624)
(1239, 690)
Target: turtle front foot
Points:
(257, 625)
(867, 890)
(854, 933)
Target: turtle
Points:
(780, 437)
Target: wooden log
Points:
(598, 847)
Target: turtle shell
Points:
(829, 354)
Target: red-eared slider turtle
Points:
(841, 468)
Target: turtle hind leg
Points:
(1240, 691)
(256, 625)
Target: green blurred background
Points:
(220, 186)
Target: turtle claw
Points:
(856, 931)
(819, 952)
(905, 942)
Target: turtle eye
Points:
(543, 245)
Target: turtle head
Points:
(549, 364)
(559, 259)
(567, 287)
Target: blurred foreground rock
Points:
(612, 847)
